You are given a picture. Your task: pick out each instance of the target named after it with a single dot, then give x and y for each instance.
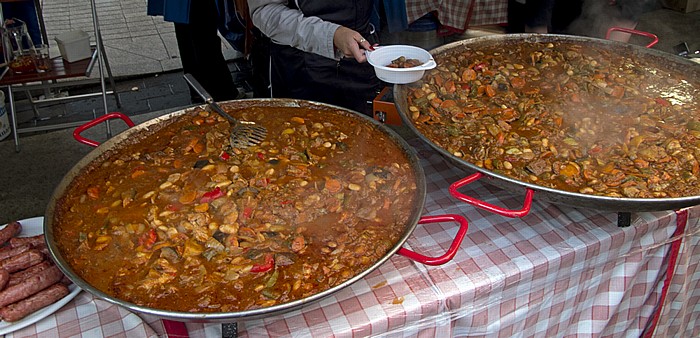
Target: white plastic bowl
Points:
(382, 56)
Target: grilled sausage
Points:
(22, 261)
(11, 230)
(43, 248)
(31, 240)
(8, 251)
(4, 278)
(23, 308)
(30, 286)
(20, 276)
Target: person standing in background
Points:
(196, 32)
(317, 50)
(530, 16)
(542, 16)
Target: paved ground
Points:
(136, 43)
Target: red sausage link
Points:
(31, 240)
(43, 248)
(8, 251)
(21, 309)
(22, 261)
(30, 286)
(20, 276)
(11, 230)
(4, 278)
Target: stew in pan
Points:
(180, 221)
(563, 115)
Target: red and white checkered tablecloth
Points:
(558, 271)
(680, 309)
(460, 14)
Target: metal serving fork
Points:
(243, 133)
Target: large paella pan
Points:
(571, 120)
(167, 218)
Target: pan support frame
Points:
(624, 219)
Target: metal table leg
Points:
(13, 117)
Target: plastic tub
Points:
(74, 45)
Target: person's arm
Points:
(287, 26)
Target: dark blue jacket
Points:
(177, 11)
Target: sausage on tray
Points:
(4, 278)
(19, 276)
(8, 251)
(43, 248)
(30, 286)
(21, 309)
(11, 230)
(31, 240)
(22, 261)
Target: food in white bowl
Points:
(381, 59)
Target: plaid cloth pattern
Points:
(557, 272)
(680, 314)
(460, 14)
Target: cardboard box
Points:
(74, 45)
(685, 6)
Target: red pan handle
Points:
(653, 37)
(451, 252)
(175, 329)
(90, 124)
(527, 204)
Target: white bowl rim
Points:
(429, 64)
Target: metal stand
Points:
(102, 56)
(624, 219)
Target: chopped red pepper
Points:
(265, 267)
(261, 156)
(247, 212)
(148, 238)
(662, 102)
(93, 192)
(212, 195)
(224, 156)
(481, 66)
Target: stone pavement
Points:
(136, 44)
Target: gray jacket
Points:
(287, 26)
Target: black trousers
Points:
(200, 52)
